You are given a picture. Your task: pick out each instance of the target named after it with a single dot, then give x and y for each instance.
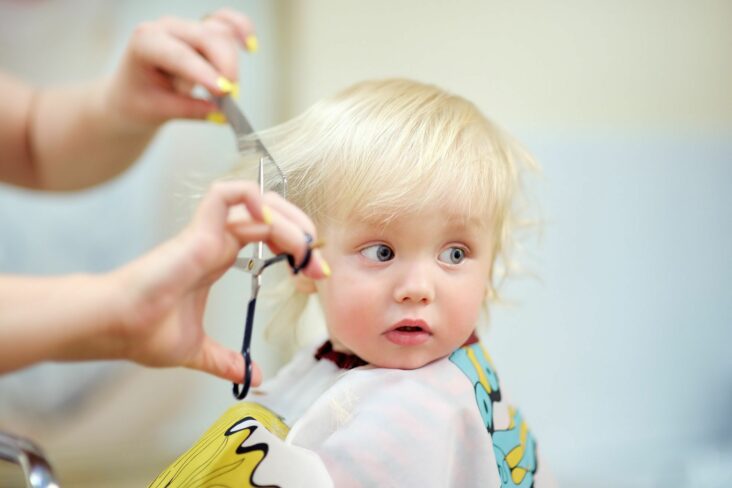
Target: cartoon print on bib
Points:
(513, 444)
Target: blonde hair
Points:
(384, 148)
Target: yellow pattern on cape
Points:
(217, 460)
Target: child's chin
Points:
(404, 362)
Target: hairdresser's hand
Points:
(168, 287)
(166, 58)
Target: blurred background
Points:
(616, 342)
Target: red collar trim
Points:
(346, 360)
(343, 360)
(471, 340)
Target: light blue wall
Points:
(619, 352)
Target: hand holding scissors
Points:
(170, 285)
(247, 141)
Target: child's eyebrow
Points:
(460, 222)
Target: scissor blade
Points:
(239, 123)
(246, 139)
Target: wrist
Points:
(118, 303)
(132, 308)
(113, 110)
(147, 289)
(91, 308)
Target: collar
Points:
(346, 360)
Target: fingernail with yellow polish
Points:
(235, 91)
(267, 215)
(216, 117)
(224, 85)
(251, 43)
(325, 267)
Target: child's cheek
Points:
(357, 297)
(351, 315)
(466, 306)
(351, 295)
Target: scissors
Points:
(246, 141)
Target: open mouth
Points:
(409, 332)
(410, 328)
(411, 325)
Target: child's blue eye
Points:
(378, 252)
(452, 255)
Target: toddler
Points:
(412, 189)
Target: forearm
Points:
(76, 139)
(58, 319)
(92, 316)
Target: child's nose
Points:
(415, 285)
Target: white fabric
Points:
(446, 424)
(385, 427)
(303, 468)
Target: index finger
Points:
(282, 233)
(239, 24)
(222, 196)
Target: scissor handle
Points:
(296, 268)
(240, 391)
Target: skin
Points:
(151, 310)
(72, 137)
(66, 138)
(422, 278)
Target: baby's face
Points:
(408, 293)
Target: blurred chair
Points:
(20, 451)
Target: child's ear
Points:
(303, 284)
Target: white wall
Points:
(627, 65)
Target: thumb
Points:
(215, 359)
(175, 105)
